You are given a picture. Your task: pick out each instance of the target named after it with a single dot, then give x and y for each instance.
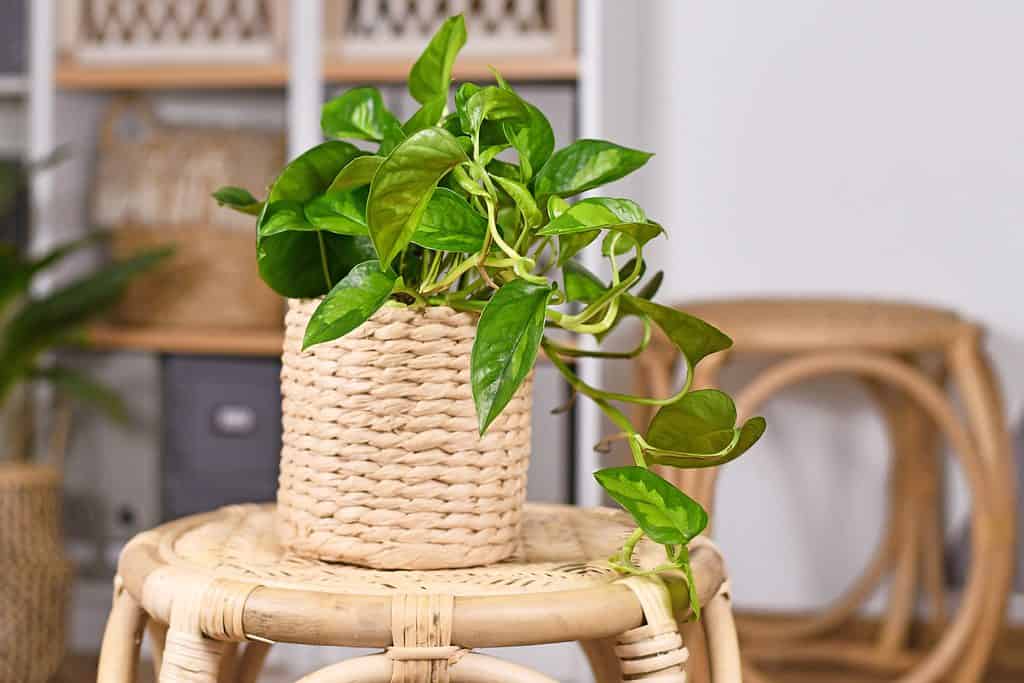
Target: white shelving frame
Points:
(305, 89)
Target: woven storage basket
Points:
(34, 575)
(382, 465)
(153, 189)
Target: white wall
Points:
(813, 146)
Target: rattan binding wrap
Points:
(34, 577)
(381, 464)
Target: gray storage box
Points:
(222, 432)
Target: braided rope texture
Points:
(34, 577)
(381, 464)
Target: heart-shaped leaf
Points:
(494, 104)
(431, 75)
(356, 173)
(426, 116)
(507, 341)
(584, 165)
(289, 257)
(700, 423)
(239, 199)
(404, 184)
(748, 435)
(343, 213)
(449, 223)
(350, 303)
(694, 338)
(360, 114)
(666, 514)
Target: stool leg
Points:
(723, 643)
(157, 633)
(980, 394)
(603, 662)
(119, 654)
(189, 656)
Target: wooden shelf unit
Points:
(77, 76)
(240, 342)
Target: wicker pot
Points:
(35, 575)
(382, 465)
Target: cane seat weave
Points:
(561, 548)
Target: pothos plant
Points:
(433, 217)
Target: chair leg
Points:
(603, 662)
(119, 654)
(980, 395)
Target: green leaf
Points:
(639, 235)
(426, 116)
(404, 184)
(592, 213)
(84, 389)
(586, 164)
(360, 114)
(700, 423)
(533, 139)
(462, 95)
(694, 338)
(356, 173)
(557, 206)
(287, 246)
(449, 223)
(580, 283)
(350, 303)
(651, 287)
(748, 435)
(507, 340)
(239, 199)
(431, 75)
(343, 213)
(523, 199)
(666, 514)
(494, 104)
(57, 316)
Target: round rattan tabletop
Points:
(557, 587)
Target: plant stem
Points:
(323, 260)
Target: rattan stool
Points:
(904, 353)
(221, 579)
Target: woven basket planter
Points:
(34, 576)
(381, 464)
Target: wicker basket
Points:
(382, 465)
(34, 575)
(153, 189)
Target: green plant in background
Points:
(31, 324)
(434, 217)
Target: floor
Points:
(82, 669)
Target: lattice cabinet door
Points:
(168, 31)
(497, 28)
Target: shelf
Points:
(77, 76)
(239, 342)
